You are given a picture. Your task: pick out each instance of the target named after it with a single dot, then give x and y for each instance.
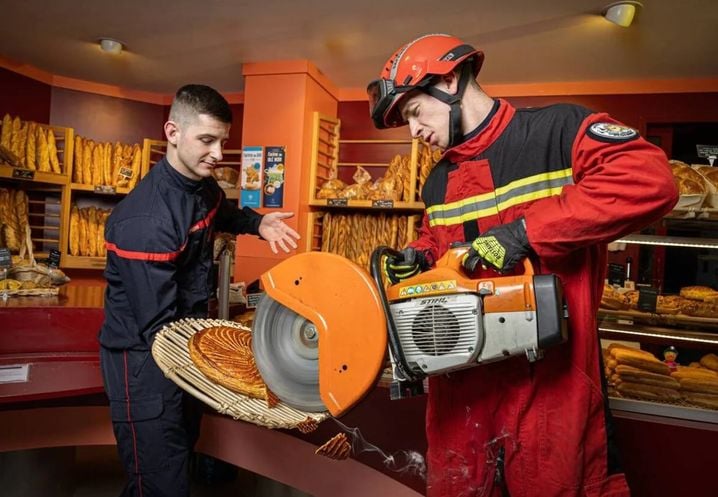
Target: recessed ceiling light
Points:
(622, 12)
(110, 46)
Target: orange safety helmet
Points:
(414, 67)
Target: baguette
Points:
(612, 348)
(74, 231)
(702, 399)
(690, 372)
(92, 228)
(6, 131)
(710, 361)
(97, 164)
(30, 147)
(702, 385)
(52, 152)
(77, 165)
(87, 147)
(650, 392)
(42, 151)
(635, 375)
(638, 359)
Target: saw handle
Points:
(454, 258)
(375, 268)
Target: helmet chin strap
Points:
(456, 134)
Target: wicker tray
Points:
(170, 350)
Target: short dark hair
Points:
(200, 99)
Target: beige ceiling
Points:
(170, 43)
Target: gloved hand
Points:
(411, 263)
(500, 248)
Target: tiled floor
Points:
(96, 472)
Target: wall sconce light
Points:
(622, 12)
(110, 46)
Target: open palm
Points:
(277, 232)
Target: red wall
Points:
(103, 118)
(24, 97)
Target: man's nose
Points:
(216, 151)
(414, 128)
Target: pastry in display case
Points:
(658, 318)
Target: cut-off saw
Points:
(322, 330)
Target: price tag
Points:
(253, 299)
(616, 274)
(5, 258)
(707, 150)
(105, 189)
(382, 204)
(53, 259)
(337, 202)
(19, 173)
(126, 172)
(647, 298)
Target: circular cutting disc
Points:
(286, 350)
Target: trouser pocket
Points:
(140, 433)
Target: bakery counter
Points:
(48, 345)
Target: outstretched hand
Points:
(277, 233)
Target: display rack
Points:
(325, 165)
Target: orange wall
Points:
(278, 109)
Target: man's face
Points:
(428, 118)
(198, 143)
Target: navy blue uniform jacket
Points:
(159, 254)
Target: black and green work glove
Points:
(501, 247)
(410, 263)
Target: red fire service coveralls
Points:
(581, 180)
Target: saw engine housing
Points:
(442, 320)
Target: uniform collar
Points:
(485, 133)
(178, 180)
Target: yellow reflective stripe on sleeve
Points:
(489, 204)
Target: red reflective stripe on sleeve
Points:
(144, 256)
(205, 222)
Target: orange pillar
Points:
(280, 99)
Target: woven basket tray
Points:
(171, 352)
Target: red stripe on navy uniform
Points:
(132, 427)
(144, 256)
(208, 219)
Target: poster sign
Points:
(251, 178)
(274, 176)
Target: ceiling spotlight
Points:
(622, 12)
(110, 46)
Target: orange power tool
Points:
(321, 332)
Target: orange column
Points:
(280, 99)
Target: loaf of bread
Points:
(224, 355)
(337, 447)
(636, 375)
(649, 392)
(710, 361)
(31, 147)
(693, 372)
(705, 400)
(42, 151)
(640, 359)
(697, 292)
(52, 152)
(702, 385)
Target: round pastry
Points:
(224, 355)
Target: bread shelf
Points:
(82, 262)
(670, 241)
(657, 333)
(27, 175)
(670, 413)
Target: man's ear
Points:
(171, 132)
(450, 83)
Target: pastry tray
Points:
(171, 352)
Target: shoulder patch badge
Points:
(610, 132)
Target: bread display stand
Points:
(170, 351)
